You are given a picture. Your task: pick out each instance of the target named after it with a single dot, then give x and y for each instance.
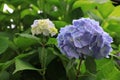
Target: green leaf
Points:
(94, 14)
(101, 1)
(91, 4)
(7, 34)
(1, 7)
(29, 36)
(46, 55)
(70, 70)
(105, 9)
(25, 41)
(7, 64)
(107, 70)
(82, 3)
(52, 41)
(50, 56)
(59, 24)
(25, 54)
(27, 12)
(4, 75)
(2, 17)
(116, 12)
(55, 2)
(63, 58)
(1, 65)
(90, 65)
(3, 44)
(114, 27)
(115, 15)
(10, 62)
(12, 46)
(22, 65)
(55, 14)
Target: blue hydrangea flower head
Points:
(85, 36)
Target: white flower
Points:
(43, 26)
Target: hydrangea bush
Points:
(84, 37)
(32, 49)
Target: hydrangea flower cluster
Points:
(43, 26)
(85, 36)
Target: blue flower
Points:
(85, 36)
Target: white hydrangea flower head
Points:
(43, 26)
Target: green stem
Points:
(78, 71)
(42, 73)
(43, 62)
(44, 77)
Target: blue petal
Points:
(81, 40)
(70, 51)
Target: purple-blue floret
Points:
(84, 37)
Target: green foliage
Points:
(70, 70)
(90, 65)
(4, 75)
(21, 65)
(3, 44)
(51, 41)
(24, 56)
(25, 38)
(107, 70)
